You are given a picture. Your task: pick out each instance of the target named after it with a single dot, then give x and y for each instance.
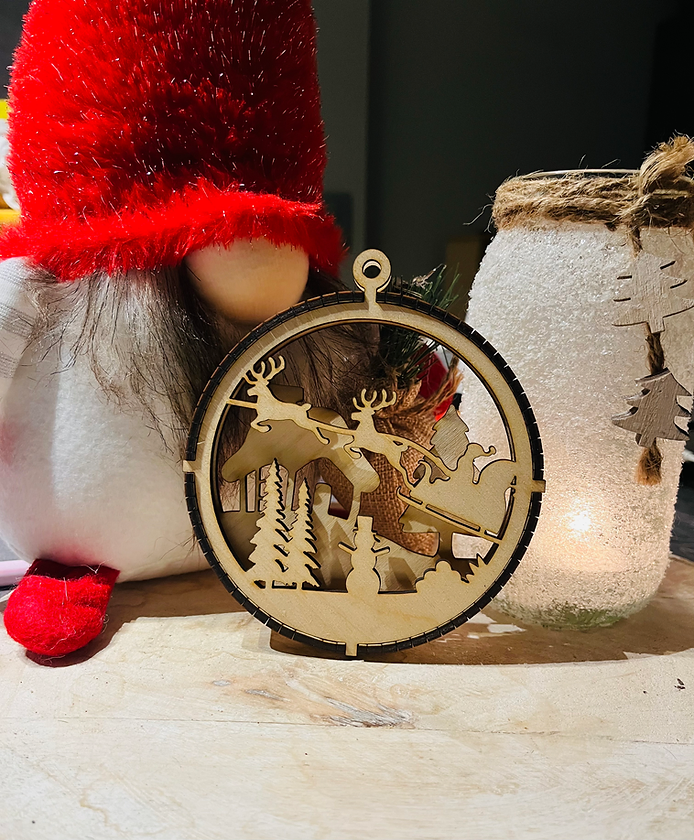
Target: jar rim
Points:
(587, 173)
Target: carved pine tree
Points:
(650, 297)
(655, 409)
(301, 549)
(270, 540)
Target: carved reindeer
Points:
(269, 408)
(366, 435)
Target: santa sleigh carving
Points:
(482, 498)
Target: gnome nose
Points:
(249, 281)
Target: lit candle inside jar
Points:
(580, 522)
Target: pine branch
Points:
(403, 355)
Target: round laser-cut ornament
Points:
(328, 577)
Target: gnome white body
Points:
(85, 481)
(85, 478)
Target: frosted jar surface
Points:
(545, 299)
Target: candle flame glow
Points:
(580, 521)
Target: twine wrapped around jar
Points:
(659, 195)
(585, 292)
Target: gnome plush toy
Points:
(168, 159)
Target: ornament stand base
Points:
(189, 718)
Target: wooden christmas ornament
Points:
(650, 298)
(330, 578)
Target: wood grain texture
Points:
(189, 719)
(221, 781)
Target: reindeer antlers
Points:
(370, 405)
(265, 374)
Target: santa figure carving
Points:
(168, 158)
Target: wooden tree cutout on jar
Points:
(650, 298)
(655, 409)
(333, 580)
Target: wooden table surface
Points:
(189, 719)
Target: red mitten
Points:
(57, 609)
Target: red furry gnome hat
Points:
(144, 129)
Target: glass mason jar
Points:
(558, 276)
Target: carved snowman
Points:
(168, 158)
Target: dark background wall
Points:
(11, 14)
(343, 66)
(430, 105)
(465, 94)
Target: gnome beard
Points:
(95, 422)
(152, 344)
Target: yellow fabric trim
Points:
(8, 217)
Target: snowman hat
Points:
(141, 130)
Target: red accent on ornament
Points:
(432, 378)
(58, 609)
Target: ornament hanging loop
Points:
(372, 272)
